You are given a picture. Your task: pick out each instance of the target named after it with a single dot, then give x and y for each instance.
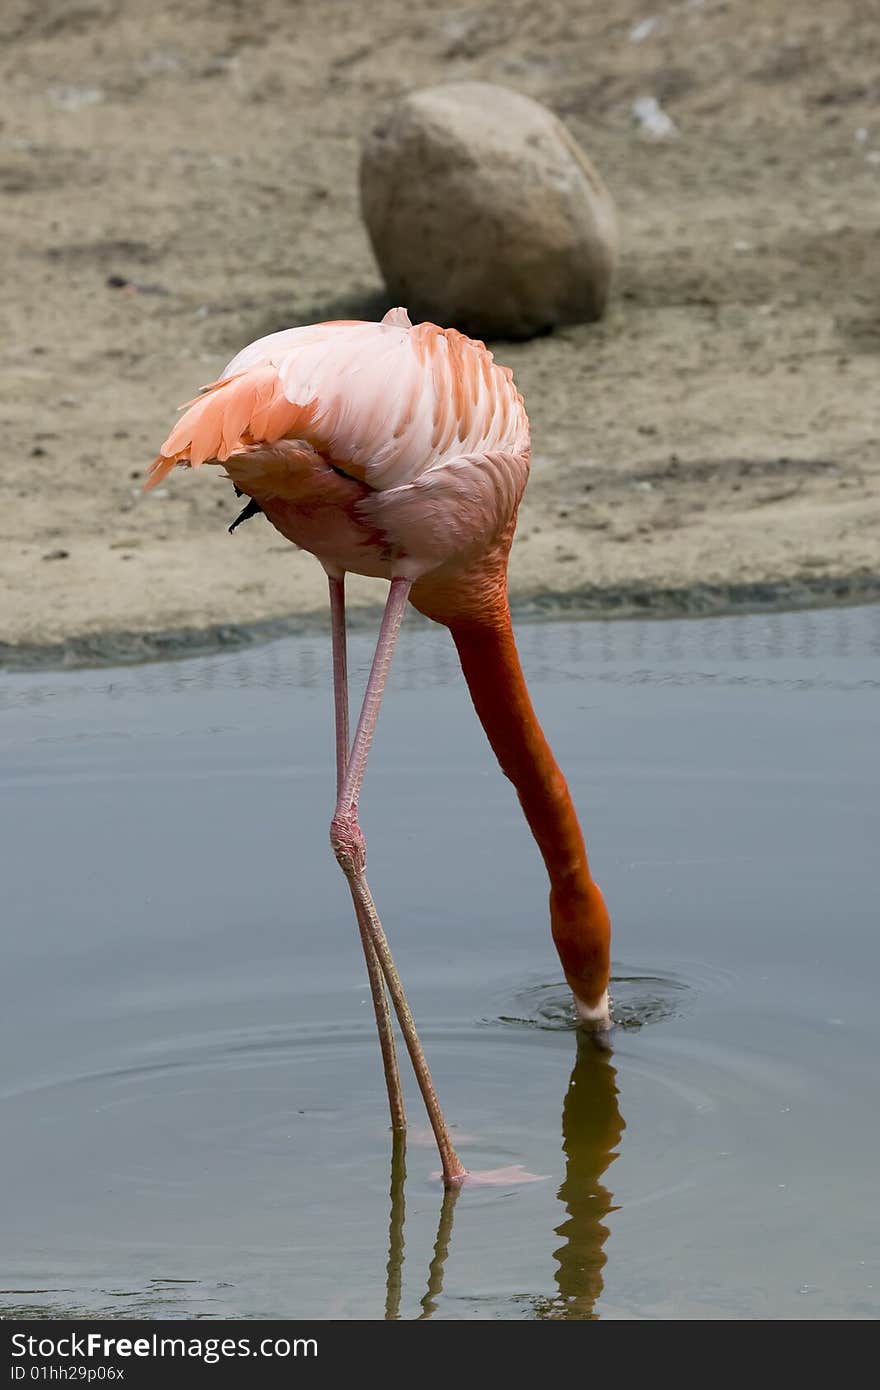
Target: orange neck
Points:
(578, 916)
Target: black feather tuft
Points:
(252, 509)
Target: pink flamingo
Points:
(402, 453)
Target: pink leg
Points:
(374, 972)
(340, 676)
(350, 850)
(352, 782)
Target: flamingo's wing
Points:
(386, 402)
(395, 401)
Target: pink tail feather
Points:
(249, 408)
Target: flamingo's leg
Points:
(350, 850)
(374, 971)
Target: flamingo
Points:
(401, 452)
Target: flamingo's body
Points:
(402, 453)
(385, 450)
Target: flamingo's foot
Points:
(496, 1177)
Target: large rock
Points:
(484, 212)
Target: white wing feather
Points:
(386, 394)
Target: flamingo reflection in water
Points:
(592, 1126)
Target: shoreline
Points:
(590, 603)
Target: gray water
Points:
(192, 1107)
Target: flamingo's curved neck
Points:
(579, 919)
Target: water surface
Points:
(191, 1101)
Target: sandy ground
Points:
(712, 442)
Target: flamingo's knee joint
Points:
(348, 843)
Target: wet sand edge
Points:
(591, 603)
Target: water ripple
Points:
(636, 1001)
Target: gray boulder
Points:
(485, 213)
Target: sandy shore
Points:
(176, 183)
